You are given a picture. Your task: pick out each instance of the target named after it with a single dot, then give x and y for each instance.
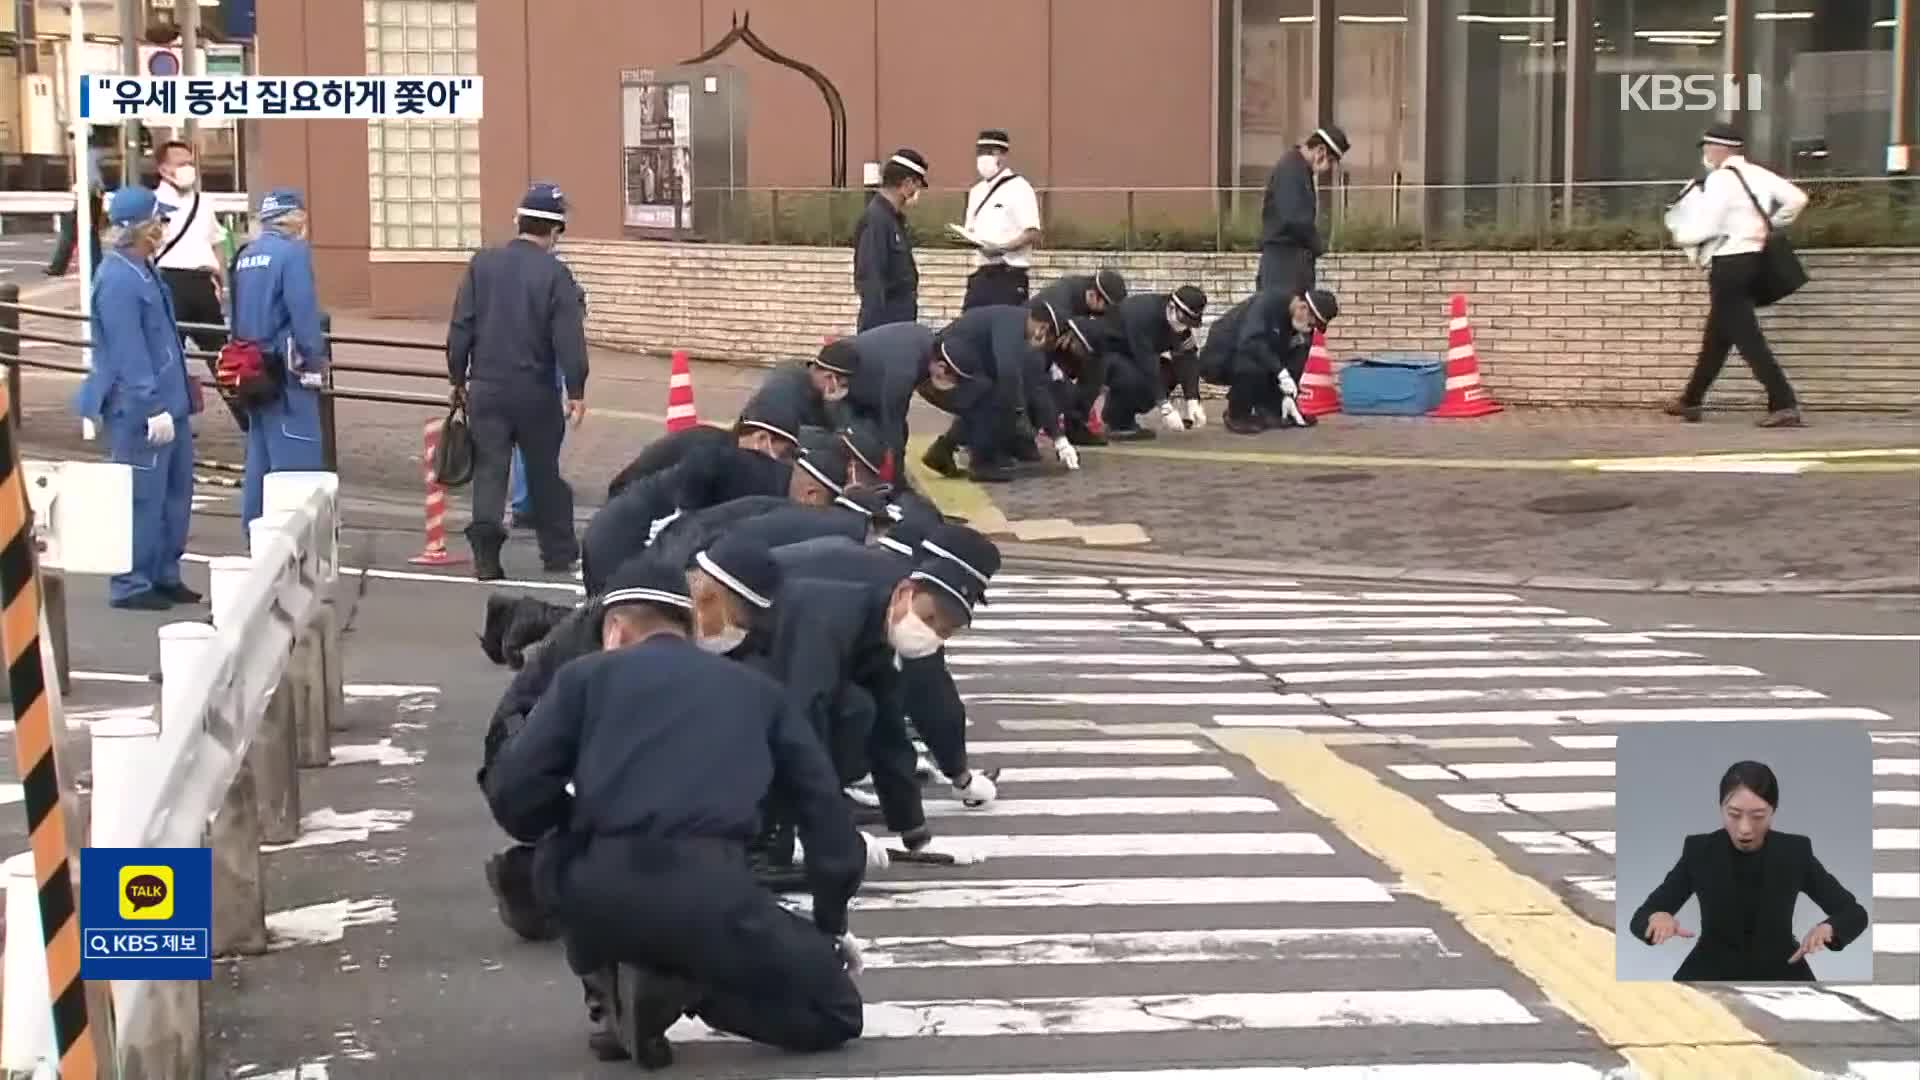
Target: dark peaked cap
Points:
(646, 579)
(958, 562)
(773, 413)
(823, 456)
(745, 566)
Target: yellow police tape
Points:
(1666, 1031)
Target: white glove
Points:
(1068, 456)
(849, 948)
(877, 857)
(88, 431)
(1287, 385)
(1170, 419)
(978, 791)
(1196, 416)
(1290, 411)
(160, 429)
(661, 523)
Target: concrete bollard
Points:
(273, 759)
(124, 753)
(53, 591)
(307, 679)
(182, 644)
(164, 1042)
(239, 898)
(224, 577)
(326, 630)
(26, 1014)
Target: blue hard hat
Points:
(136, 206)
(279, 202)
(544, 201)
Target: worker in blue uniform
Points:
(138, 392)
(275, 308)
(518, 325)
(770, 427)
(640, 777)
(884, 272)
(518, 500)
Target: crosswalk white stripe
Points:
(1186, 582)
(1111, 892)
(995, 595)
(1090, 747)
(1256, 607)
(1571, 842)
(1831, 1004)
(1048, 580)
(1126, 845)
(1548, 718)
(1496, 694)
(1883, 1070)
(1134, 676)
(1263, 697)
(991, 625)
(1366, 641)
(1174, 1012)
(1529, 770)
(1899, 939)
(1098, 806)
(1069, 608)
(1155, 947)
(1407, 622)
(1564, 802)
(1308, 659)
(1060, 774)
(971, 641)
(1194, 659)
(1886, 886)
(1291, 597)
(1449, 674)
(1439, 1070)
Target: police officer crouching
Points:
(670, 751)
(1258, 350)
(519, 324)
(275, 310)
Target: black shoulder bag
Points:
(1781, 273)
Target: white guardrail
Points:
(20, 203)
(244, 704)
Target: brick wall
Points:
(1588, 329)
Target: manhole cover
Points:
(1337, 477)
(1598, 502)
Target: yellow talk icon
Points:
(146, 892)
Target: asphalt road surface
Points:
(1223, 805)
(23, 258)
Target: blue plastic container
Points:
(1393, 384)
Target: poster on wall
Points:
(656, 152)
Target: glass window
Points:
(1371, 69)
(1277, 107)
(419, 183)
(1633, 42)
(1495, 112)
(1827, 72)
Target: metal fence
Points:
(1624, 215)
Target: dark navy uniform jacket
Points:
(1068, 295)
(792, 386)
(893, 362)
(667, 451)
(1255, 335)
(664, 742)
(772, 519)
(829, 636)
(622, 528)
(884, 272)
(519, 321)
(576, 635)
(1290, 208)
(1141, 333)
(1015, 371)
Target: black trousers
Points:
(1182, 373)
(65, 243)
(1734, 323)
(1285, 267)
(693, 910)
(933, 705)
(864, 738)
(504, 416)
(995, 284)
(1256, 391)
(1129, 394)
(1075, 395)
(196, 301)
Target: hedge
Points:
(1840, 214)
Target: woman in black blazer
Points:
(1748, 878)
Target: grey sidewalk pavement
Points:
(1411, 498)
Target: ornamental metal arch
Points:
(742, 32)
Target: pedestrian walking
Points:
(519, 326)
(1002, 224)
(1290, 239)
(67, 242)
(275, 310)
(189, 258)
(140, 393)
(884, 272)
(1725, 221)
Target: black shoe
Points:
(493, 629)
(939, 458)
(604, 1041)
(1082, 436)
(1026, 452)
(1781, 418)
(1692, 414)
(645, 1004)
(531, 621)
(1245, 425)
(151, 600)
(1132, 434)
(560, 566)
(178, 593)
(915, 839)
(486, 566)
(510, 876)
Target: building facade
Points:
(1455, 107)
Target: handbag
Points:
(1781, 273)
(453, 457)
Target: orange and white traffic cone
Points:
(1319, 394)
(680, 411)
(1465, 397)
(1096, 425)
(435, 552)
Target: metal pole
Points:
(189, 15)
(1579, 84)
(1901, 134)
(83, 223)
(10, 346)
(329, 439)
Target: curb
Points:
(1075, 556)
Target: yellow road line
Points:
(1901, 460)
(963, 499)
(1668, 1031)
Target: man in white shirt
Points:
(1003, 222)
(1724, 220)
(189, 255)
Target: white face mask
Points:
(722, 643)
(913, 639)
(185, 177)
(838, 393)
(986, 165)
(1706, 162)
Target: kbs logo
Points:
(1690, 93)
(146, 892)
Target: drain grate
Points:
(1346, 477)
(1592, 502)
